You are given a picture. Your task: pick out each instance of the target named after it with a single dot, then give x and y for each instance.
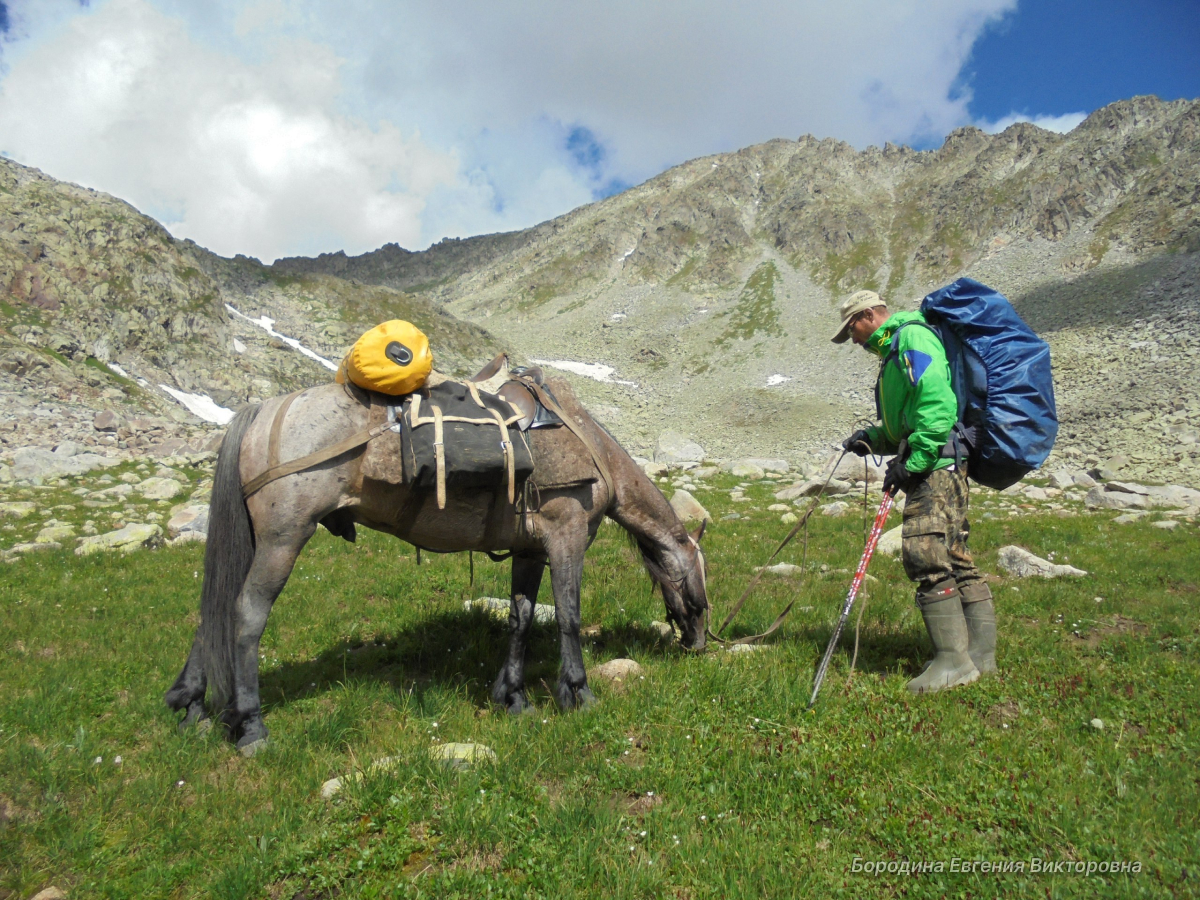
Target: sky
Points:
(294, 127)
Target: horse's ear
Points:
(699, 532)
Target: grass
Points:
(707, 779)
(755, 311)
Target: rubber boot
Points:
(951, 666)
(981, 625)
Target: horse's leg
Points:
(268, 574)
(187, 693)
(509, 689)
(566, 575)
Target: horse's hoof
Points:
(194, 715)
(250, 748)
(585, 698)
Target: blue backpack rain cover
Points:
(1000, 372)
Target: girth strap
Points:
(254, 485)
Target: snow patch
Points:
(118, 369)
(617, 317)
(202, 406)
(238, 346)
(267, 324)
(596, 371)
(778, 379)
(629, 252)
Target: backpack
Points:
(1001, 376)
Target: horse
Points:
(254, 541)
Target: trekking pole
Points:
(872, 540)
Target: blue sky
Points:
(1064, 56)
(286, 127)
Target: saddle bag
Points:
(455, 436)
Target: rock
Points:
(891, 541)
(1033, 492)
(35, 464)
(17, 509)
(189, 520)
(1174, 495)
(674, 447)
(745, 648)
(334, 785)
(1100, 497)
(543, 613)
(127, 539)
(780, 569)
(688, 508)
(702, 472)
(664, 629)
(745, 469)
(616, 671)
(789, 518)
(157, 488)
(68, 449)
(1084, 480)
(655, 469)
(1098, 724)
(1166, 524)
(462, 756)
(853, 468)
(1062, 479)
(813, 487)
(1023, 564)
(837, 509)
(779, 507)
(30, 547)
(1127, 518)
(780, 466)
(55, 534)
(107, 420)
(50, 893)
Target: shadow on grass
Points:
(455, 650)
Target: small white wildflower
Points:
(435, 724)
(179, 783)
(97, 760)
(704, 818)
(544, 721)
(117, 760)
(641, 834)
(649, 793)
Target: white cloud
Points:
(1061, 124)
(296, 126)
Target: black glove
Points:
(858, 443)
(898, 478)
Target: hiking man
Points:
(917, 408)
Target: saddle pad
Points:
(560, 459)
(383, 460)
(454, 435)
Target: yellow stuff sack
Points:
(392, 358)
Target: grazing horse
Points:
(253, 542)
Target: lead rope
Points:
(741, 601)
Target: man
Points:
(917, 410)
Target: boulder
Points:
(674, 448)
(655, 469)
(30, 547)
(813, 487)
(837, 509)
(55, 534)
(789, 518)
(703, 472)
(746, 469)
(543, 613)
(891, 541)
(616, 671)
(126, 539)
(688, 508)
(1100, 497)
(853, 468)
(1173, 495)
(189, 520)
(107, 420)
(779, 466)
(36, 463)
(461, 756)
(17, 509)
(786, 569)
(1023, 564)
(157, 488)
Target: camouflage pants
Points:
(935, 531)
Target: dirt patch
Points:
(633, 754)
(1118, 625)
(1003, 714)
(477, 860)
(635, 804)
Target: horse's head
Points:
(685, 591)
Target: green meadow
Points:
(706, 777)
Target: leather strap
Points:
(547, 401)
(254, 485)
(277, 428)
(439, 450)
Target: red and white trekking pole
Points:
(872, 539)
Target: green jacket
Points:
(913, 396)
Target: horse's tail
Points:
(227, 558)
